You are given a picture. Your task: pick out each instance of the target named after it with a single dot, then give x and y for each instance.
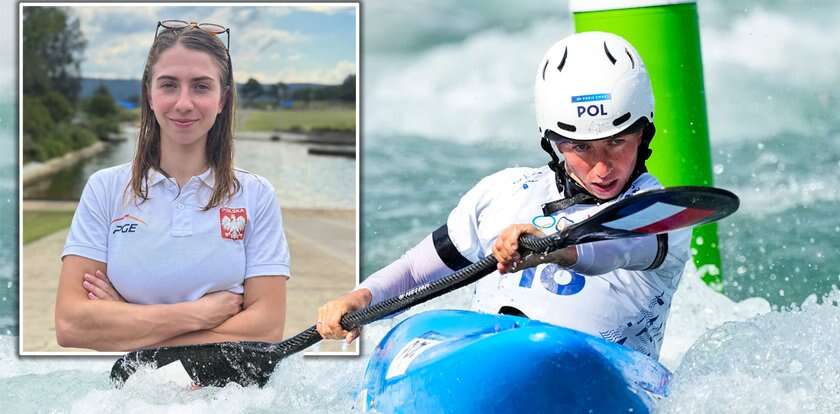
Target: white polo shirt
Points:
(166, 249)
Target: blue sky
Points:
(271, 43)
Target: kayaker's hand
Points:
(329, 315)
(99, 287)
(505, 249)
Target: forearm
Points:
(597, 258)
(262, 318)
(417, 266)
(256, 323)
(566, 257)
(119, 326)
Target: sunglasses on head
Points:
(211, 28)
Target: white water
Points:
(776, 347)
(769, 70)
(766, 70)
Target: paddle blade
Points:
(245, 363)
(654, 212)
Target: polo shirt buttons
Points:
(181, 221)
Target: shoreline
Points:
(35, 171)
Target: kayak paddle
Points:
(247, 363)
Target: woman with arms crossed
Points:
(176, 247)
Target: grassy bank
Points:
(38, 224)
(299, 120)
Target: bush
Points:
(37, 121)
(104, 128)
(44, 138)
(59, 107)
(129, 115)
(80, 137)
(102, 104)
(52, 145)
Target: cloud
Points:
(333, 75)
(260, 38)
(262, 45)
(108, 21)
(119, 37)
(119, 57)
(329, 9)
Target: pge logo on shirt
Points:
(124, 226)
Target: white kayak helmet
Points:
(590, 86)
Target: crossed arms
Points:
(114, 325)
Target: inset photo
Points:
(189, 177)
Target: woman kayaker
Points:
(595, 108)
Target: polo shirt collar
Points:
(208, 177)
(155, 176)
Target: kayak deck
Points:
(460, 361)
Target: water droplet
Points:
(741, 270)
(699, 240)
(718, 169)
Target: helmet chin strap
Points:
(573, 192)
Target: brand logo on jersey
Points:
(554, 279)
(547, 222)
(125, 227)
(544, 222)
(232, 223)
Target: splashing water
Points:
(778, 359)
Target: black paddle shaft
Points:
(249, 363)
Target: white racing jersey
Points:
(619, 290)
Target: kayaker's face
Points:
(185, 95)
(602, 167)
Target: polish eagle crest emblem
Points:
(232, 223)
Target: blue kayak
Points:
(466, 362)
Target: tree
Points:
(103, 113)
(52, 52)
(102, 104)
(347, 89)
(282, 90)
(251, 90)
(61, 110)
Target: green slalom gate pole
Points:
(667, 35)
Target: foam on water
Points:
(465, 88)
(475, 79)
(299, 385)
(746, 357)
(775, 362)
